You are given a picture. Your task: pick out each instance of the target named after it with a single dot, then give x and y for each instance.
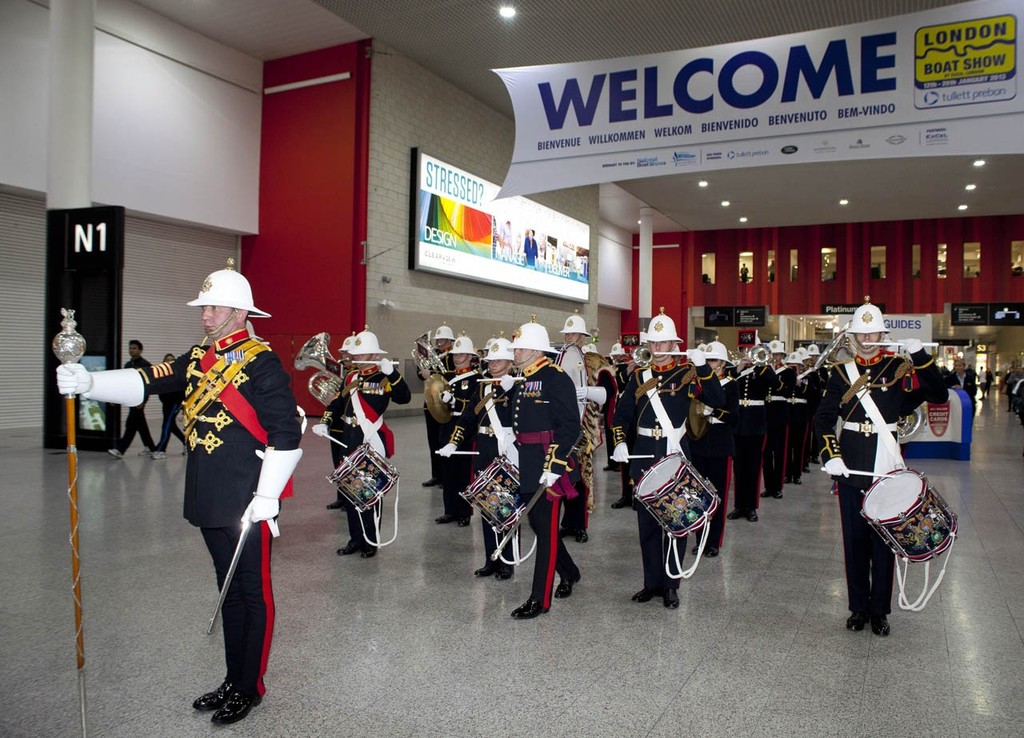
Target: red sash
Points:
(240, 408)
(372, 415)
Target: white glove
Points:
(386, 366)
(597, 394)
(697, 357)
(707, 410)
(274, 475)
(262, 508)
(320, 429)
(447, 450)
(836, 467)
(447, 397)
(581, 393)
(912, 345)
(620, 453)
(73, 379)
(549, 479)
(507, 382)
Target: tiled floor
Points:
(410, 644)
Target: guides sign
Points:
(938, 82)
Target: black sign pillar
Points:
(84, 261)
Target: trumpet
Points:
(759, 355)
(643, 357)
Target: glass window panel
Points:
(878, 262)
(828, 263)
(707, 268)
(915, 260)
(746, 267)
(1017, 258)
(771, 265)
(794, 265)
(972, 259)
(941, 258)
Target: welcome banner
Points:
(941, 82)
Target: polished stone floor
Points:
(410, 644)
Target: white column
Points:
(69, 150)
(646, 266)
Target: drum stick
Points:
(498, 379)
(461, 453)
(896, 343)
(640, 456)
(335, 440)
(862, 473)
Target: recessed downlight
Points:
(844, 201)
(971, 187)
(507, 11)
(726, 203)
(961, 207)
(979, 162)
(702, 183)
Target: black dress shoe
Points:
(463, 522)
(485, 571)
(445, 519)
(736, 515)
(213, 700)
(350, 548)
(236, 708)
(711, 552)
(431, 482)
(336, 505)
(796, 480)
(528, 610)
(857, 621)
(582, 536)
(621, 503)
(646, 595)
(695, 549)
(670, 598)
(564, 588)
(368, 552)
(776, 495)
(766, 493)
(752, 516)
(880, 625)
(566, 532)
(503, 572)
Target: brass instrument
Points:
(642, 357)
(908, 425)
(838, 351)
(759, 355)
(315, 354)
(435, 385)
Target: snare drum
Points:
(364, 477)
(909, 515)
(494, 493)
(676, 494)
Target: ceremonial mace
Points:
(68, 346)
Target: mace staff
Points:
(68, 346)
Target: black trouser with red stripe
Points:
(552, 555)
(749, 456)
(869, 562)
(774, 465)
(716, 469)
(248, 611)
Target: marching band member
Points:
(456, 471)
(623, 369)
(601, 374)
(589, 399)
(243, 445)
(777, 416)
(868, 395)
(656, 402)
(345, 359)
(815, 388)
(443, 340)
(712, 453)
(796, 437)
(488, 419)
(356, 416)
(755, 384)
(546, 421)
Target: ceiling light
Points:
(506, 11)
(726, 203)
(970, 187)
(638, 223)
(743, 219)
(979, 162)
(702, 183)
(961, 207)
(844, 201)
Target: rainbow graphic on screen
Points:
(453, 225)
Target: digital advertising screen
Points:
(458, 229)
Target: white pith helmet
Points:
(444, 332)
(589, 348)
(794, 358)
(867, 319)
(662, 328)
(500, 350)
(804, 353)
(366, 342)
(716, 350)
(228, 288)
(617, 350)
(463, 345)
(346, 345)
(575, 324)
(532, 336)
(777, 347)
(813, 350)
